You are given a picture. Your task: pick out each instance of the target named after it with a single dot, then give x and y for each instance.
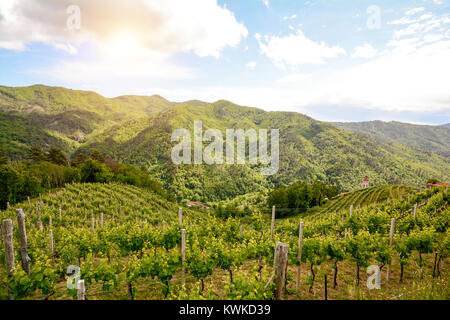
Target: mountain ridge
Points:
(422, 137)
(309, 149)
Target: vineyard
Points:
(123, 242)
(369, 196)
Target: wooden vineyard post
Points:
(7, 205)
(351, 214)
(60, 213)
(300, 248)
(92, 224)
(272, 225)
(280, 266)
(29, 201)
(23, 241)
(50, 222)
(391, 240)
(163, 226)
(39, 222)
(51, 244)
(101, 220)
(40, 198)
(81, 290)
(180, 217)
(415, 212)
(7, 231)
(183, 256)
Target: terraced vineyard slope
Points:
(369, 196)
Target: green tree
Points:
(97, 156)
(56, 156)
(36, 155)
(79, 159)
(9, 185)
(92, 171)
(3, 157)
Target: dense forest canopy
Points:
(137, 130)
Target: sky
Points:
(334, 60)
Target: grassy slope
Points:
(428, 138)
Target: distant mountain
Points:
(138, 130)
(426, 138)
(309, 150)
(52, 116)
(446, 125)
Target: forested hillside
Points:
(44, 116)
(137, 130)
(427, 138)
(309, 150)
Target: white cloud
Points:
(425, 16)
(65, 47)
(164, 26)
(294, 78)
(251, 65)
(414, 11)
(13, 45)
(366, 51)
(114, 70)
(290, 17)
(410, 76)
(266, 3)
(405, 78)
(296, 49)
(422, 26)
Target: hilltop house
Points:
(437, 185)
(198, 205)
(365, 183)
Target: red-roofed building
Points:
(198, 205)
(365, 183)
(437, 185)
